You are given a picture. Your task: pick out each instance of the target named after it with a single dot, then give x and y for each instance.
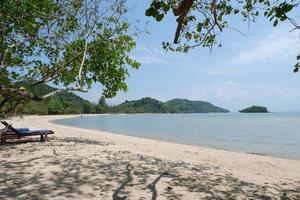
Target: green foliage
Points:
(297, 65)
(206, 21)
(69, 103)
(38, 108)
(102, 106)
(254, 109)
(72, 109)
(68, 43)
(187, 106)
(63, 103)
(102, 101)
(158, 9)
(41, 89)
(144, 105)
(279, 12)
(54, 106)
(87, 107)
(10, 105)
(149, 105)
(100, 109)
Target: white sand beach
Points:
(89, 164)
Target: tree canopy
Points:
(72, 44)
(200, 22)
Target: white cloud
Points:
(278, 46)
(193, 62)
(222, 71)
(282, 92)
(92, 95)
(236, 96)
(230, 95)
(221, 92)
(153, 55)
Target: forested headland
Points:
(70, 103)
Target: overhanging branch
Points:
(62, 90)
(11, 92)
(83, 58)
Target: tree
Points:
(37, 108)
(54, 106)
(200, 22)
(74, 109)
(102, 102)
(87, 107)
(68, 43)
(100, 109)
(102, 106)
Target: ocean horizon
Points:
(273, 134)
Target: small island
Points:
(254, 109)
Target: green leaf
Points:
(296, 68)
(199, 27)
(159, 17)
(288, 7)
(150, 11)
(236, 11)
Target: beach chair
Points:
(9, 132)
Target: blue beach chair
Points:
(9, 132)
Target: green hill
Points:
(150, 105)
(254, 109)
(188, 106)
(69, 103)
(62, 103)
(144, 105)
(42, 89)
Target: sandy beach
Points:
(88, 164)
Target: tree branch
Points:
(214, 13)
(7, 92)
(25, 95)
(83, 58)
(62, 90)
(183, 10)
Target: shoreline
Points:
(165, 140)
(158, 141)
(86, 151)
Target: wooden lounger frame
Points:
(9, 132)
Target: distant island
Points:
(69, 103)
(254, 109)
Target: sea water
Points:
(273, 134)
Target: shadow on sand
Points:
(108, 174)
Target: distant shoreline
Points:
(126, 132)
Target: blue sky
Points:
(255, 68)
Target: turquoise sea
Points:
(274, 134)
